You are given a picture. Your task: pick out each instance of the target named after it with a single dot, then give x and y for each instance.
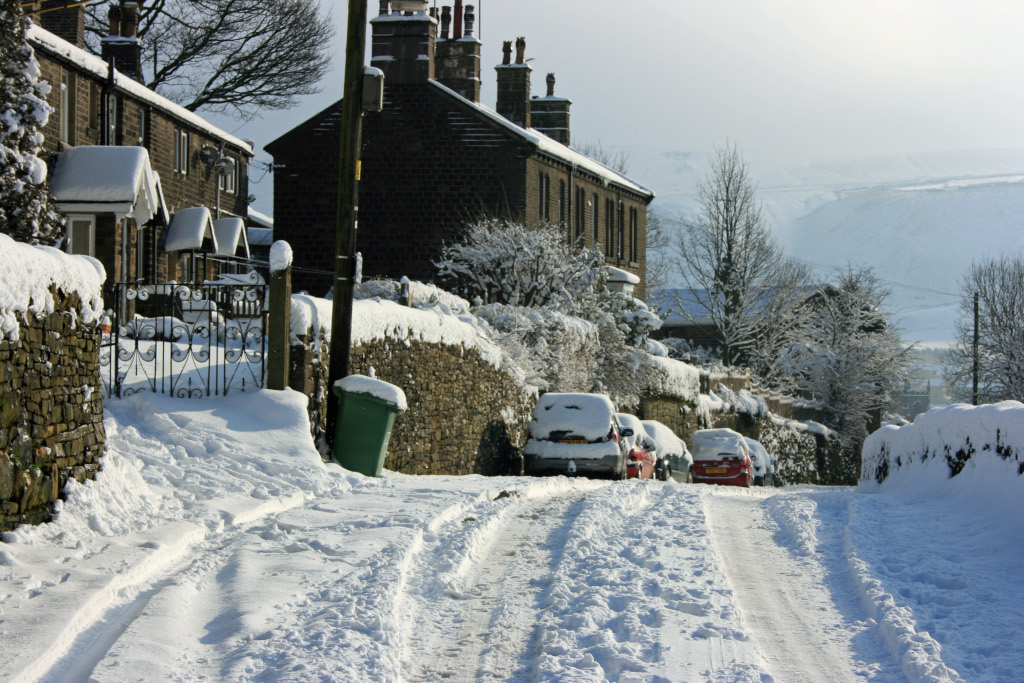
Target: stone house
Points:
(124, 160)
(436, 158)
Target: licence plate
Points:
(716, 470)
(573, 441)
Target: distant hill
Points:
(919, 220)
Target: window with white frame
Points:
(65, 106)
(82, 235)
(180, 151)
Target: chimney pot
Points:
(551, 85)
(385, 7)
(506, 50)
(457, 29)
(114, 17)
(446, 22)
(470, 16)
(520, 50)
(130, 20)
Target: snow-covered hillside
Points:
(919, 220)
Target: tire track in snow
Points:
(784, 602)
(485, 629)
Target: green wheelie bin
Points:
(366, 414)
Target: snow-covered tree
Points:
(728, 252)
(506, 261)
(26, 208)
(779, 323)
(849, 356)
(999, 285)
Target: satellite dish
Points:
(225, 166)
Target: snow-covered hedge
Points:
(954, 449)
(27, 274)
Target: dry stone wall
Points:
(51, 411)
(464, 416)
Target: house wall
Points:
(51, 411)
(139, 122)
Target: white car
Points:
(763, 462)
(576, 434)
(674, 459)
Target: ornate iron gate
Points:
(186, 340)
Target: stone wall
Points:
(51, 411)
(464, 416)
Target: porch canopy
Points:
(231, 237)
(117, 180)
(192, 230)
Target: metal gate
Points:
(186, 340)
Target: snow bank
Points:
(27, 273)
(973, 453)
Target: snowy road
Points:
(216, 546)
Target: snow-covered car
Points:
(721, 456)
(641, 454)
(763, 462)
(674, 460)
(576, 434)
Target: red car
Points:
(641, 456)
(720, 456)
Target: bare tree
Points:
(849, 356)
(616, 161)
(999, 285)
(228, 56)
(780, 319)
(659, 258)
(727, 256)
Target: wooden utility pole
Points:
(348, 205)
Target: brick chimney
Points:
(514, 85)
(458, 58)
(122, 45)
(550, 114)
(403, 45)
(67, 23)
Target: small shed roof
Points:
(188, 230)
(108, 179)
(231, 237)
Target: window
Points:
(229, 182)
(180, 151)
(142, 127)
(580, 211)
(65, 107)
(82, 235)
(94, 108)
(111, 137)
(544, 212)
(634, 232)
(609, 227)
(597, 224)
(622, 229)
(561, 203)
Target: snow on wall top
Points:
(977, 452)
(675, 378)
(26, 274)
(48, 42)
(585, 415)
(552, 147)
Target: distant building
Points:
(435, 158)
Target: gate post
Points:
(279, 346)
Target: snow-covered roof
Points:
(552, 147)
(260, 237)
(188, 228)
(620, 275)
(27, 273)
(231, 237)
(119, 180)
(260, 219)
(42, 39)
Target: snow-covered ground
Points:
(215, 545)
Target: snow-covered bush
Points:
(980, 447)
(26, 207)
(505, 261)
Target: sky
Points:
(788, 81)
